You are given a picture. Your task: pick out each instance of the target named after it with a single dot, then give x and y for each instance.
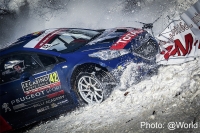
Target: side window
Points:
(47, 60)
(13, 66)
(58, 45)
(60, 59)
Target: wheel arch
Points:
(87, 67)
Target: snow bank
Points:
(171, 87)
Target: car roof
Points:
(22, 41)
(19, 45)
(16, 46)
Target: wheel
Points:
(93, 87)
(90, 88)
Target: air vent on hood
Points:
(109, 40)
(121, 30)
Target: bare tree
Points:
(39, 8)
(19, 14)
(4, 10)
(47, 9)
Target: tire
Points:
(92, 87)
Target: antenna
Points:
(149, 25)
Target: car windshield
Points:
(71, 40)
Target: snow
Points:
(170, 88)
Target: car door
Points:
(38, 88)
(15, 103)
(57, 93)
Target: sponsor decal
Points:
(55, 99)
(50, 101)
(180, 49)
(62, 102)
(196, 18)
(179, 28)
(41, 83)
(38, 104)
(54, 89)
(125, 39)
(18, 106)
(6, 107)
(28, 97)
(43, 109)
(35, 98)
(179, 42)
(53, 105)
(37, 33)
(32, 96)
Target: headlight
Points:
(109, 54)
(147, 36)
(147, 50)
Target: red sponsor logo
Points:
(178, 48)
(125, 39)
(42, 88)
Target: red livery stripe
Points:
(54, 84)
(42, 88)
(47, 38)
(37, 90)
(56, 94)
(4, 126)
(125, 39)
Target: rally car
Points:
(55, 70)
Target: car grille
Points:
(147, 50)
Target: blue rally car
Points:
(55, 70)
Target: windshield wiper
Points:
(94, 37)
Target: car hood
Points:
(116, 38)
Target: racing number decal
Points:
(53, 77)
(46, 46)
(41, 83)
